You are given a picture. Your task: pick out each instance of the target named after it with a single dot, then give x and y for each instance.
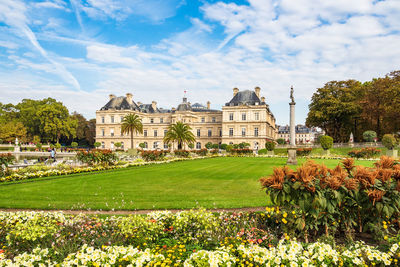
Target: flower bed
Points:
(340, 201)
(188, 238)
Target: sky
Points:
(79, 52)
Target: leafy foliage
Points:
(369, 136)
(389, 141)
(131, 123)
(301, 152)
(270, 145)
(367, 152)
(326, 142)
(153, 155)
(281, 141)
(95, 156)
(5, 160)
(181, 133)
(346, 199)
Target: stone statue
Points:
(291, 94)
(16, 141)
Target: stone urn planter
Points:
(270, 153)
(326, 152)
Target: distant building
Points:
(304, 135)
(245, 118)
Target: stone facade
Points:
(246, 118)
(304, 135)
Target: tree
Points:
(270, 145)
(132, 124)
(74, 144)
(55, 122)
(389, 141)
(333, 108)
(11, 130)
(369, 136)
(97, 144)
(179, 132)
(118, 145)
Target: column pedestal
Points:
(292, 160)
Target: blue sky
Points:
(79, 52)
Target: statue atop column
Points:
(292, 149)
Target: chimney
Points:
(111, 96)
(257, 91)
(129, 97)
(208, 104)
(154, 105)
(262, 99)
(235, 91)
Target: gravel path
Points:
(127, 212)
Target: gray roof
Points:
(245, 97)
(148, 108)
(184, 105)
(120, 103)
(299, 129)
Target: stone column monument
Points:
(292, 149)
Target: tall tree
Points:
(11, 130)
(55, 122)
(181, 133)
(130, 124)
(333, 108)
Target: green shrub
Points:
(191, 145)
(244, 145)
(209, 145)
(58, 145)
(281, 141)
(242, 151)
(270, 145)
(142, 145)
(223, 146)
(74, 144)
(39, 145)
(5, 160)
(215, 146)
(97, 144)
(214, 151)
(326, 142)
(369, 136)
(389, 141)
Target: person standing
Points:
(53, 155)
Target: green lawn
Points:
(209, 183)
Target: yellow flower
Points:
(285, 215)
(284, 221)
(385, 237)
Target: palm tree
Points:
(179, 132)
(130, 124)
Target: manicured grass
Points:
(209, 183)
(339, 151)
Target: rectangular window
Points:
(209, 133)
(231, 116)
(256, 116)
(122, 118)
(103, 132)
(112, 131)
(144, 132)
(243, 116)
(155, 145)
(220, 132)
(165, 132)
(161, 120)
(112, 119)
(230, 131)
(151, 120)
(256, 131)
(165, 146)
(198, 145)
(103, 145)
(198, 132)
(102, 119)
(155, 132)
(213, 119)
(203, 119)
(243, 131)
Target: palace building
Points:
(245, 118)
